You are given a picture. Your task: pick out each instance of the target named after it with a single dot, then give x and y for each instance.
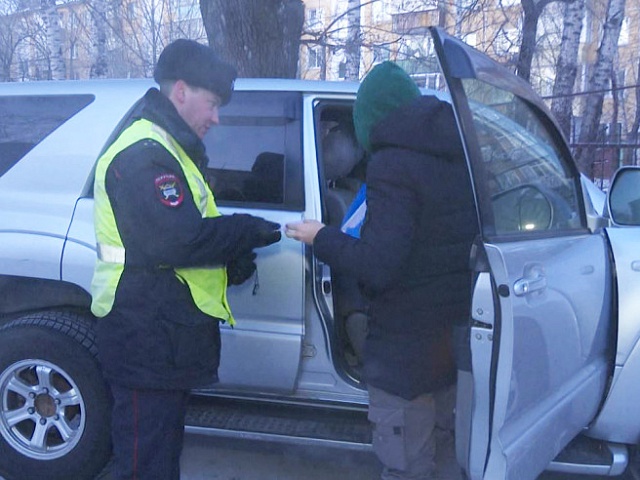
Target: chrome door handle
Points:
(525, 286)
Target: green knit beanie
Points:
(384, 89)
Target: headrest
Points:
(340, 153)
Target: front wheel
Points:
(54, 403)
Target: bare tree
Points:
(51, 20)
(567, 65)
(532, 9)
(99, 67)
(598, 81)
(354, 40)
(261, 37)
(14, 30)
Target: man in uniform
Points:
(165, 256)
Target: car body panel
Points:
(551, 370)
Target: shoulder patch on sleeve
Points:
(169, 190)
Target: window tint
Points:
(255, 155)
(26, 120)
(526, 171)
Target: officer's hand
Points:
(258, 231)
(265, 232)
(240, 269)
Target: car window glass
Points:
(27, 119)
(525, 170)
(254, 153)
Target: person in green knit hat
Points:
(411, 261)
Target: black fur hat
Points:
(197, 65)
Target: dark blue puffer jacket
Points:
(412, 260)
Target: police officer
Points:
(165, 257)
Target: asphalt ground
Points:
(209, 458)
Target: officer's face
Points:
(199, 108)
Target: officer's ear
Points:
(178, 92)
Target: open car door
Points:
(540, 324)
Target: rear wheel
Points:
(54, 403)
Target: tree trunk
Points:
(602, 72)
(99, 17)
(260, 37)
(51, 19)
(532, 9)
(567, 65)
(352, 50)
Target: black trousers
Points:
(147, 433)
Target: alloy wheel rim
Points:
(42, 412)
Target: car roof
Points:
(52, 87)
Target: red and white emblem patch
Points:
(169, 190)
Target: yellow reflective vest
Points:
(208, 286)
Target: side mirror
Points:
(524, 208)
(623, 200)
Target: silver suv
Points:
(547, 372)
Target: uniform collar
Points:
(159, 110)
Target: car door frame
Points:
(480, 449)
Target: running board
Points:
(293, 424)
(587, 456)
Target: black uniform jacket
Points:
(412, 259)
(155, 336)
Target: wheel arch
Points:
(27, 294)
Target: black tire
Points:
(54, 404)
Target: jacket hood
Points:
(385, 88)
(425, 125)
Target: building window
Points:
(342, 70)
(380, 54)
(315, 17)
(314, 60)
(432, 81)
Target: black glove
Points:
(263, 232)
(240, 269)
(267, 233)
(258, 231)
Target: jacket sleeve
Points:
(377, 258)
(162, 226)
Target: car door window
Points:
(255, 158)
(527, 174)
(26, 120)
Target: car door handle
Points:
(525, 286)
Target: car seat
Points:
(340, 154)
